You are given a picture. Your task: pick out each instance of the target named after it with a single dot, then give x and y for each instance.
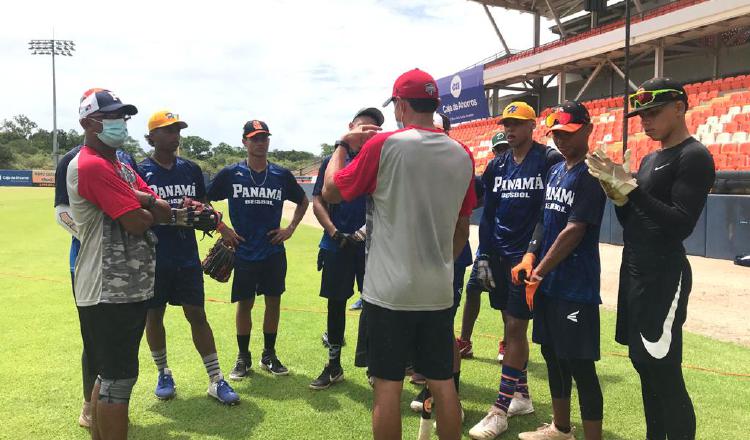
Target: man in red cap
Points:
(414, 176)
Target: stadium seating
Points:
(719, 116)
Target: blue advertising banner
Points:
(15, 178)
(462, 95)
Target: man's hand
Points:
(229, 236)
(484, 273)
(526, 265)
(280, 235)
(359, 135)
(532, 284)
(617, 177)
(343, 240)
(360, 234)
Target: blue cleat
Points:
(220, 390)
(165, 388)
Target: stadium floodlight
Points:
(53, 47)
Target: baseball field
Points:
(40, 377)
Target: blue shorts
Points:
(458, 287)
(177, 286)
(507, 296)
(340, 270)
(472, 286)
(264, 277)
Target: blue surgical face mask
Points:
(114, 132)
(400, 125)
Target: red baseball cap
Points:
(415, 84)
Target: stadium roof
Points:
(563, 8)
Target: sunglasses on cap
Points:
(559, 117)
(645, 97)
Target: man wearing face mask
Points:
(113, 209)
(420, 189)
(341, 257)
(256, 190)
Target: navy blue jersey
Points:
(465, 258)
(256, 202)
(61, 190)
(346, 216)
(513, 199)
(573, 196)
(177, 246)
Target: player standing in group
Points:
(658, 210)
(113, 209)
(474, 288)
(256, 190)
(341, 257)
(64, 219)
(179, 276)
(514, 194)
(421, 194)
(566, 310)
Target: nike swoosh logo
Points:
(660, 348)
(658, 168)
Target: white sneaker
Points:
(84, 420)
(520, 405)
(492, 425)
(548, 431)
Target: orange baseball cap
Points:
(163, 118)
(518, 110)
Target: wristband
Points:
(344, 144)
(151, 202)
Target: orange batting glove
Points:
(531, 286)
(526, 265)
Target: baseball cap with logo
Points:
(254, 127)
(499, 140)
(164, 118)
(371, 112)
(414, 84)
(656, 92)
(518, 110)
(569, 116)
(102, 101)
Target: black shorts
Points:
(507, 296)
(393, 336)
(111, 337)
(569, 328)
(652, 304)
(340, 269)
(458, 287)
(264, 277)
(177, 286)
(473, 286)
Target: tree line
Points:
(24, 145)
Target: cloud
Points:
(304, 67)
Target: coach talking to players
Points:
(421, 193)
(658, 210)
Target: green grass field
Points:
(40, 368)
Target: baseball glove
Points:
(194, 214)
(219, 262)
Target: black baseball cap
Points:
(654, 93)
(254, 127)
(372, 112)
(569, 116)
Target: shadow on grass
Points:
(201, 415)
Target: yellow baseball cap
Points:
(163, 118)
(518, 110)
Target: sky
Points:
(304, 67)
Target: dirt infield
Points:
(718, 301)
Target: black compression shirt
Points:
(673, 185)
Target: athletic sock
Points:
(523, 382)
(334, 355)
(211, 362)
(269, 343)
(243, 343)
(508, 383)
(160, 359)
(456, 380)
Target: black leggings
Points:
(561, 372)
(336, 321)
(666, 403)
